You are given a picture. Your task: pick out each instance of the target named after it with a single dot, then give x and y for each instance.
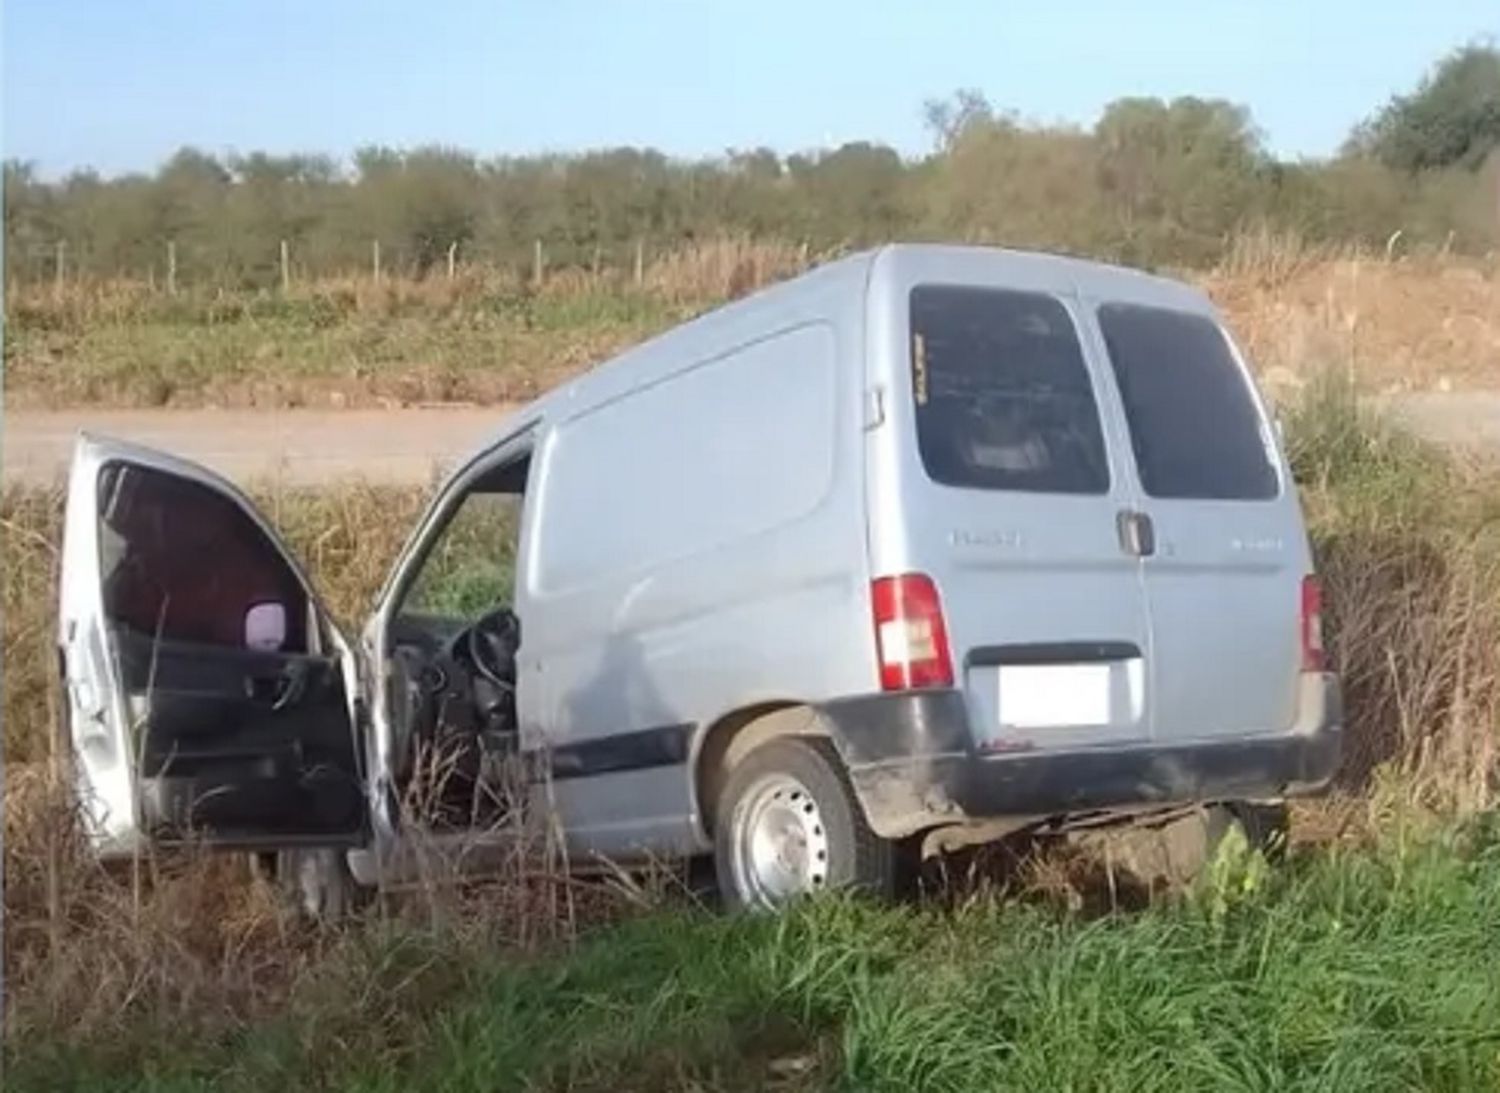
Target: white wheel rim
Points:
(780, 842)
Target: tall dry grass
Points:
(200, 942)
(710, 271)
(1407, 540)
(1395, 320)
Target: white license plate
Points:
(1051, 696)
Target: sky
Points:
(118, 85)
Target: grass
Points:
(1407, 541)
(1373, 969)
(488, 337)
(326, 350)
(1369, 962)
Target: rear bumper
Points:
(912, 762)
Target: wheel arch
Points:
(734, 735)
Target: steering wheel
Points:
(492, 642)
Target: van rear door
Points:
(1224, 580)
(1012, 507)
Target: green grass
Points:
(471, 568)
(1367, 970)
(333, 348)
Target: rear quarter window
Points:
(1194, 427)
(1002, 394)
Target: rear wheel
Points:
(1178, 852)
(788, 825)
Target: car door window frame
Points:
(519, 443)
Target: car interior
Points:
(237, 698)
(452, 671)
(236, 701)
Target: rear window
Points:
(1193, 425)
(1003, 398)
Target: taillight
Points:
(1314, 655)
(911, 638)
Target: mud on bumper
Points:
(913, 764)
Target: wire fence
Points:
(175, 268)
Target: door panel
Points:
(239, 744)
(191, 716)
(1224, 576)
(1015, 515)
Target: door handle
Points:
(280, 690)
(1137, 533)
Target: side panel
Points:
(699, 549)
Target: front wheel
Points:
(316, 884)
(789, 826)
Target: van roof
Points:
(707, 333)
(1056, 273)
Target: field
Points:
(1421, 321)
(1369, 969)
(1365, 961)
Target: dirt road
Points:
(1464, 419)
(301, 447)
(294, 447)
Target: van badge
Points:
(992, 538)
(1266, 543)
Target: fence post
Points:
(60, 256)
(375, 258)
(286, 268)
(452, 258)
(640, 262)
(536, 264)
(171, 267)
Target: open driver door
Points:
(209, 696)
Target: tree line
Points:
(1153, 183)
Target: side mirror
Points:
(266, 627)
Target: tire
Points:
(1267, 827)
(788, 825)
(316, 885)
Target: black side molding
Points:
(661, 746)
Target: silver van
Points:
(927, 545)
